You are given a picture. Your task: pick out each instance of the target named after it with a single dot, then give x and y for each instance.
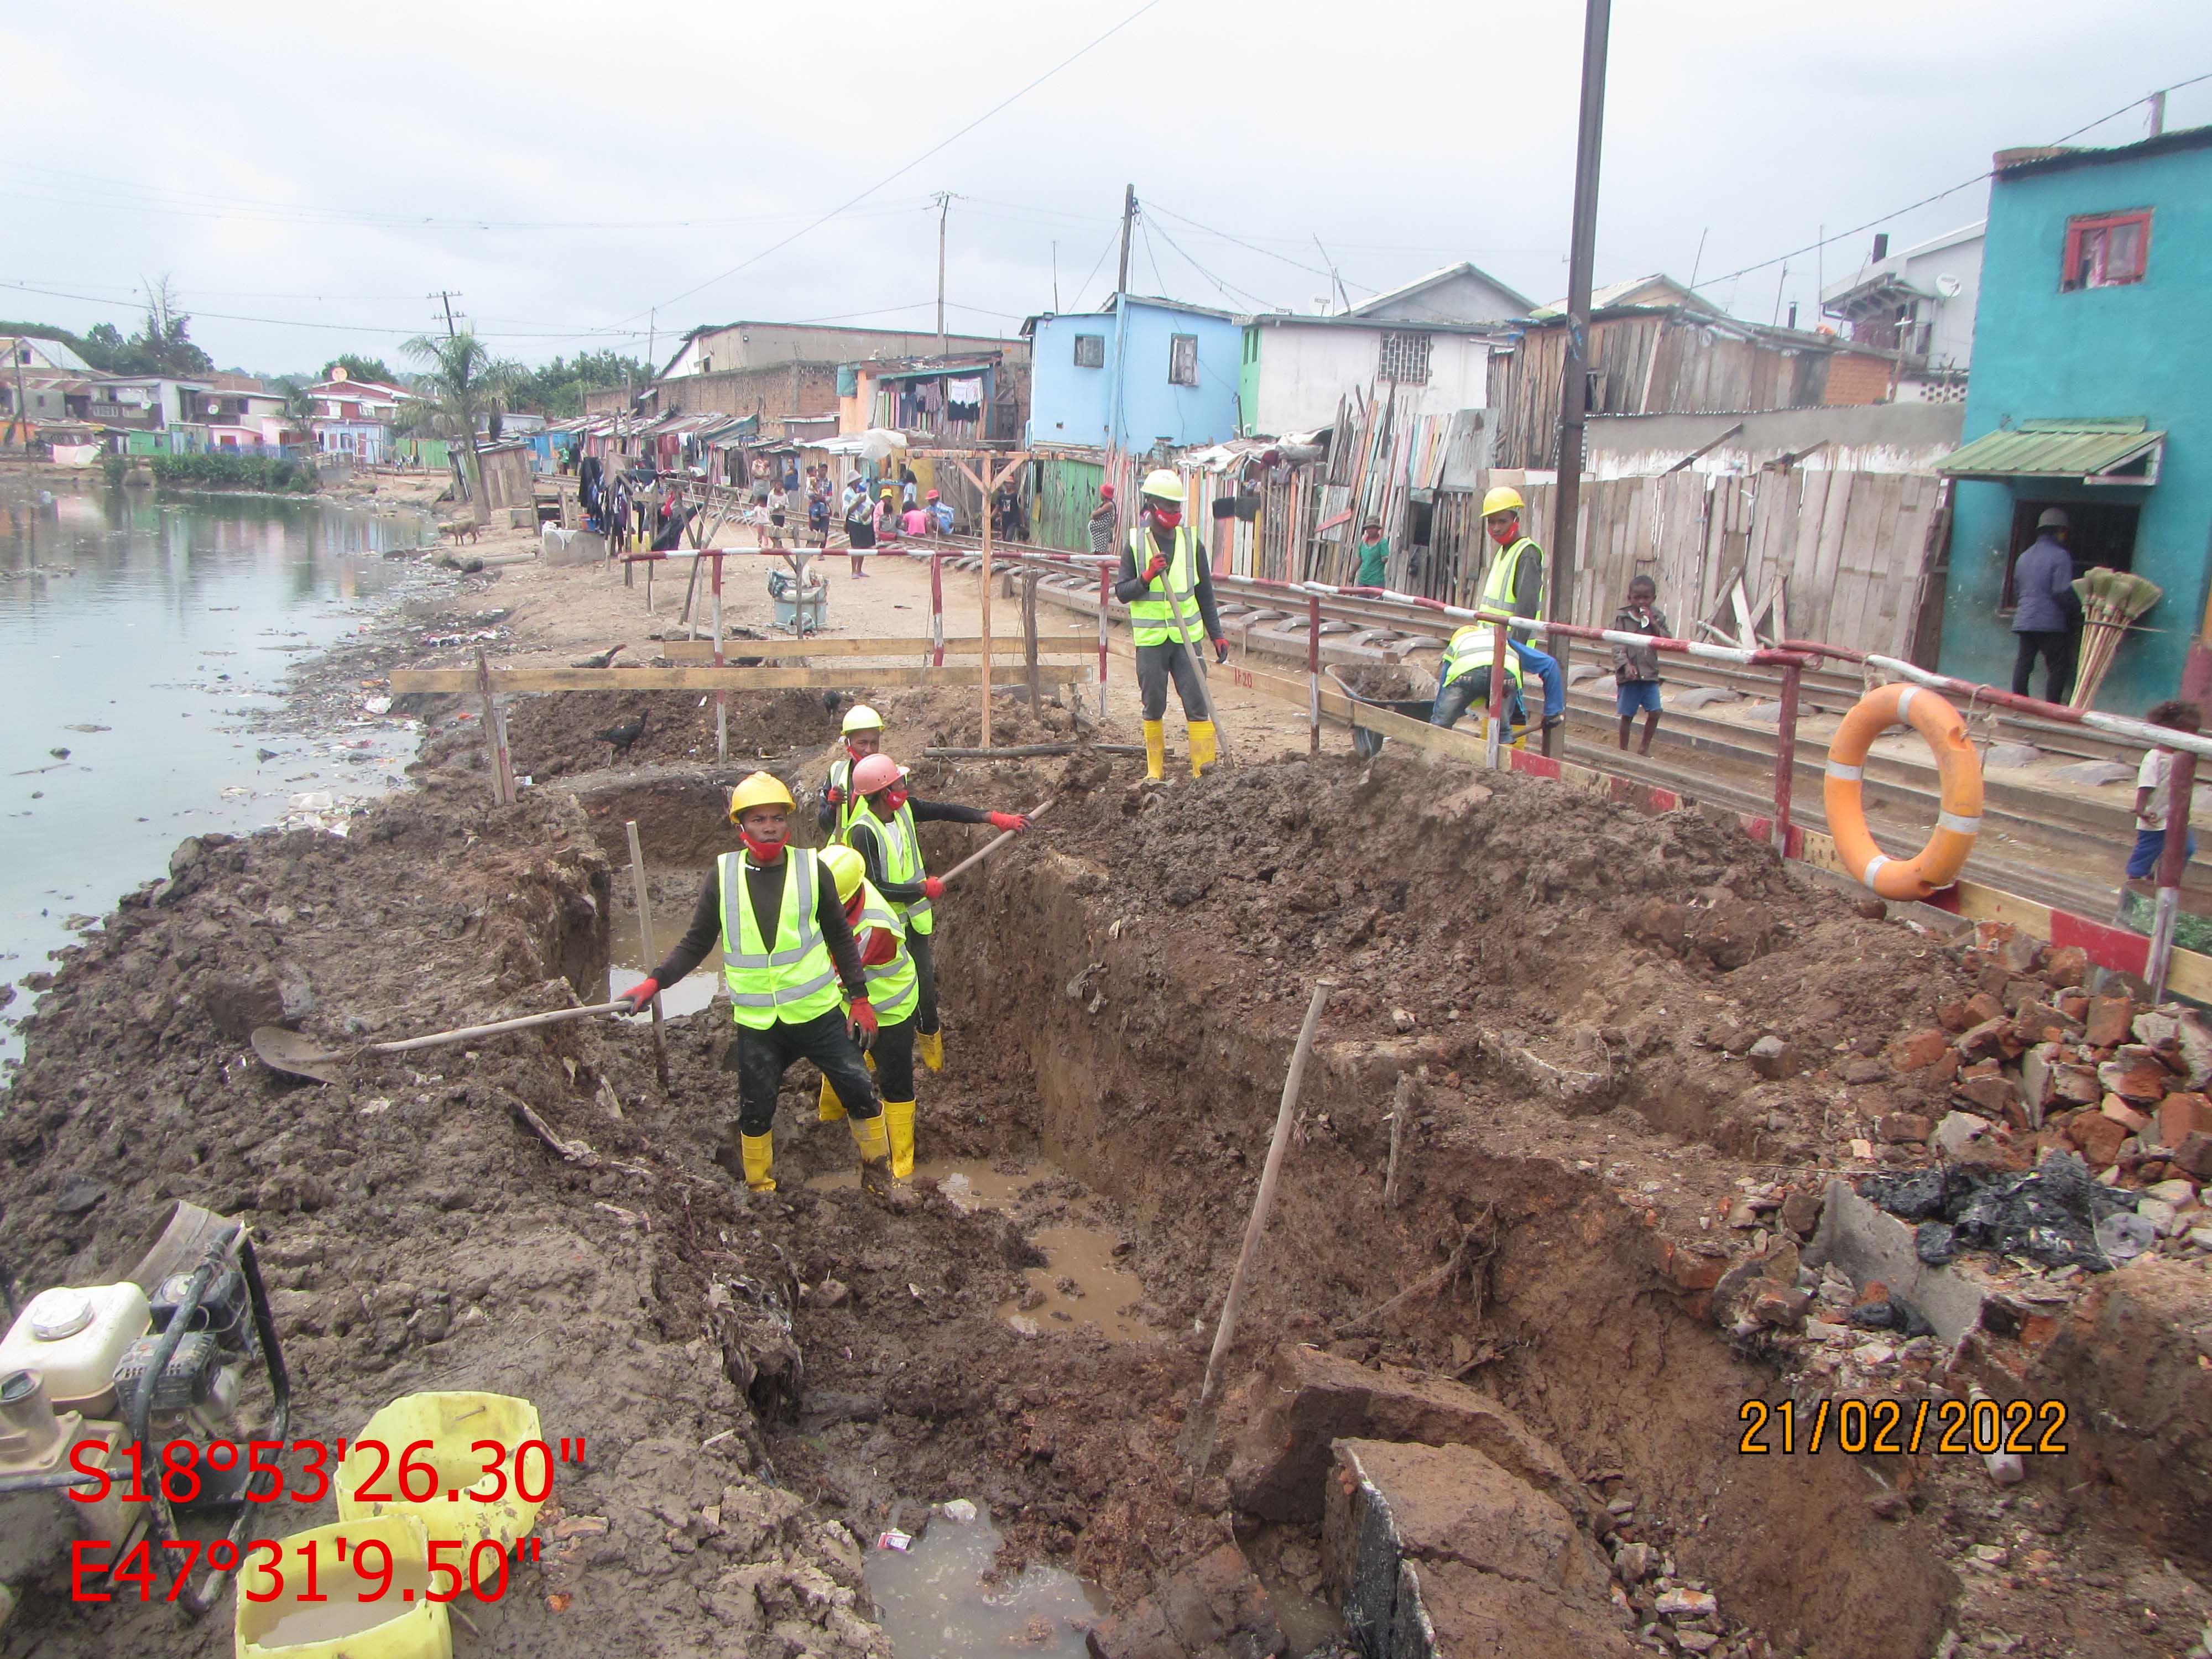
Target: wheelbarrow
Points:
(1367, 743)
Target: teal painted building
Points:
(2091, 391)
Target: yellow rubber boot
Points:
(870, 1136)
(1202, 751)
(826, 1107)
(898, 1121)
(1155, 750)
(760, 1161)
(930, 1045)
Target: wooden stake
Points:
(502, 771)
(722, 698)
(1226, 1333)
(1402, 1107)
(1030, 641)
(651, 956)
(984, 633)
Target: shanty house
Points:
(2093, 349)
(1295, 370)
(1919, 304)
(1458, 294)
(1139, 372)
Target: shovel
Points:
(295, 1055)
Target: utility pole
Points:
(2157, 113)
(1128, 219)
(447, 299)
(18, 351)
(1574, 381)
(944, 207)
(472, 475)
(652, 331)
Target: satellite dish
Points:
(338, 372)
(1949, 286)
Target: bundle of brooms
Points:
(2111, 602)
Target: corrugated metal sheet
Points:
(2053, 449)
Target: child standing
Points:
(1636, 667)
(2154, 790)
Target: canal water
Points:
(150, 638)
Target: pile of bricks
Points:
(2032, 1060)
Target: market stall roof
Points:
(874, 445)
(2114, 450)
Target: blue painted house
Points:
(1139, 372)
(2092, 390)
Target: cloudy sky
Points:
(583, 175)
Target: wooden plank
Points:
(793, 650)
(410, 680)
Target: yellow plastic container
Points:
(452, 1422)
(397, 1625)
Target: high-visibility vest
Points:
(840, 777)
(1499, 587)
(1470, 648)
(903, 865)
(893, 986)
(793, 980)
(1153, 618)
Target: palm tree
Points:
(463, 381)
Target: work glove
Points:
(1152, 571)
(1009, 821)
(931, 887)
(862, 1018)
(1221, 651)
(639, 994)
(833, 795)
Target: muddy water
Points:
(167, 628)
(935, 1603)
(627, 963)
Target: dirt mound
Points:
(556, 735)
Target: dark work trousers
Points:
(763, 1056)
(2056, 651)
(1156, 666)
(923, 948)
(1472, 690)
(894, 1057)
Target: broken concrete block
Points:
(2194, 1155)
(1316, 1398)
(2135, 1074)
(1867, 1242)
(2094, 773)
(2036, 1066)
(2098, 1137)
(2011, 755)
(1773, 1059)
(1919, 1051)
(1435, 1550)
(2195, 1036)
(556, 546)
(1704, 696)
(2125, 1116)
(2108, 1021)
(1964, 1139)
(2182, 1115)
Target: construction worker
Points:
(1515, 586)
(895, 989)
(883, 833)
(864, 736)
(1164, 581)
(787, 949)
(1463, 678)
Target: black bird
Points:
(623, 735)
(604, 659)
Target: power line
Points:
(1145, 231)
(1105, 254)
(1249, 296)
(910, 166)
(295, 322)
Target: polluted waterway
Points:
(938, 1596)
(144, 646)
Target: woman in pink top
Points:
(913, 522)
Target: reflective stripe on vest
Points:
(841, 777)
(903, 865)
(1152, 620)
(1497, 589)
(893, 986)
(1470, 649)
(794, 981)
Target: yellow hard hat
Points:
(1162, 485)
(861, 718)
(1504, 499)
(846, 869)
(761, 789)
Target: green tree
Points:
(557, 388)
(358, 367)
(301, 404)
(163, 343)
(460, 380)
(103, 346)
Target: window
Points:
(1183, 360)
(1404, 357)
(2106, 250)
(1091, 351)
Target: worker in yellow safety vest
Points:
(895, 988)
(884, 833)
(1464, 676)
(1164, 582)
(864, 736)
(788, 951)
(1515, 587)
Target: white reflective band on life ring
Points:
(1873, 869)
(1958, 825)
(1848, 773)
(1904, 703)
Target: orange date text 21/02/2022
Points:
(2025, 1428)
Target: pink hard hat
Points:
(875, 772)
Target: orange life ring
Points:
(1957, 766)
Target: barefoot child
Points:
(1636, 667)
(2154, 790)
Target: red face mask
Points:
(763, 852)
(1169, 517)
(894, 799)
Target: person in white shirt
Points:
(2154, 790)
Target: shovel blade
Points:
(295, 1055)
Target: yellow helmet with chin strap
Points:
(1502, 499)
(761, 789)
(861, 718)
(846, 868)
(1162, 484)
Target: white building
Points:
(1919, 303)
(1463, 293)
(1297, 369)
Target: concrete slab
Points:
(1869, 1243)
(564, 547)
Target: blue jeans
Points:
(1546, 669)
(2149, 843)
(1470, 690)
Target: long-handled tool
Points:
(996, 842)
(296, 1055)
(1197, 662)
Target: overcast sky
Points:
(568, 169)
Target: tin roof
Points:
(2092, 449)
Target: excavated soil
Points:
(1565, 989)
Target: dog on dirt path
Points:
(460, 529)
